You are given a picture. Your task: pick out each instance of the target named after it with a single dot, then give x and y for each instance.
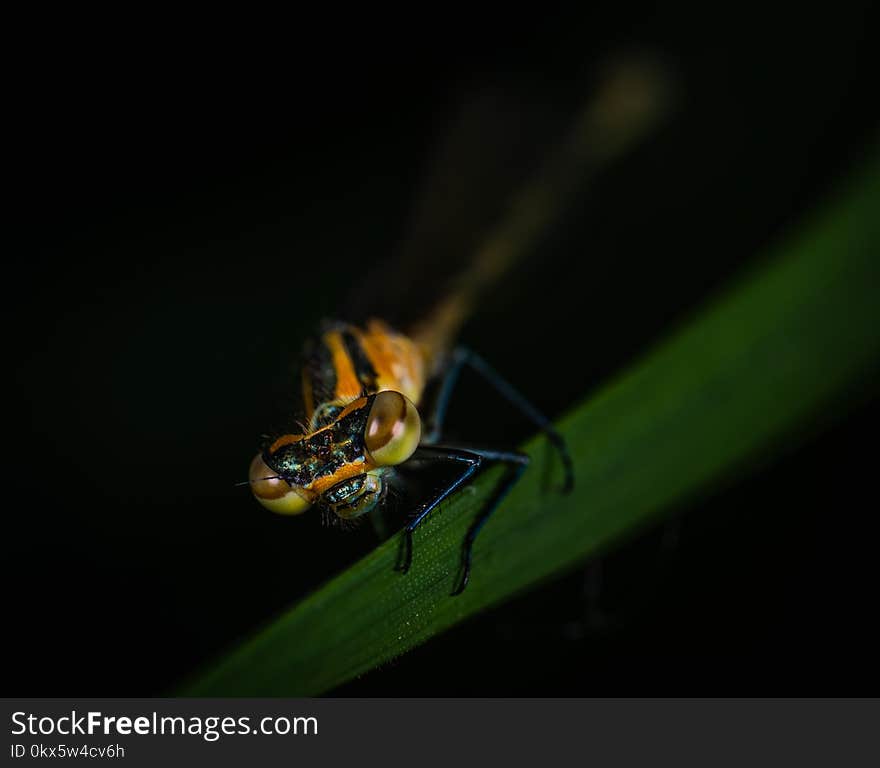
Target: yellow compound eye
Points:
(393, 429)
(273, 492)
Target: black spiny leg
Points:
(463, 356)
(470, 459)
(516, 465)
(469, 463)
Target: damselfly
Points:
(367, 407)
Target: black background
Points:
(189, 203)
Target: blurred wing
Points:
(492, 143)
(513, 160)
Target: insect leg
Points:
(516, 464)
(462, 356)
(470, 461)
(441, 403)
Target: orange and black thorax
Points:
(347, 362)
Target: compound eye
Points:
(393, 429)
(273, 492)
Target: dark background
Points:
(185, 211)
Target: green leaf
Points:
(776, 351)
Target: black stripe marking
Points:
(363, 368)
